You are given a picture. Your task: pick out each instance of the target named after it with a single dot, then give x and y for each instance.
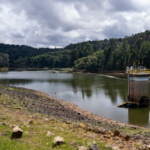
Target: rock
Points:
(73, 143)
(145, 142)
(116, 138)
(90, 135)
(82, 148)
(51, 119)
(49, 134)
(19, 108)
(107, 136)
(127, 137)
(137, 137)
(73, 130)
(116, 133)
(145, 147)
(30, 122)
(17, 132)
(115, 148)
(82, 125)
(46, 119)
(4, 124)
(68, 122)
(121, 146)
(133, 128)
(58, 141)
(88, 128)
(110, 133)
(94, 147)
(99, 130)
(148, 147)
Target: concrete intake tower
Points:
(138, 85)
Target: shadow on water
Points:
(15, 81)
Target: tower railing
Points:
(138, 71)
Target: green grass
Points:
(34, 135)
(65, 70)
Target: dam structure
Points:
(138, 85)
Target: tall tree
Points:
(52, 62)
(74, 56)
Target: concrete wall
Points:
(139, 87)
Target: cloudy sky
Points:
(49, 23)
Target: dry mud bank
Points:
(39, 102)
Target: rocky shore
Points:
(115, 135)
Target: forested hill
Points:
(102, 44)
(107, 54)
(16, 51)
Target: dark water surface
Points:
(95, 93)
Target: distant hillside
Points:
(107, 54)
(102, 44)
(16, 51)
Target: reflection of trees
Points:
(139, 116)
(15, 81)
(79, 81)
(114, 87)
(110, 86)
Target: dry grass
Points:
(4, 69)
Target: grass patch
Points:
(34, 135)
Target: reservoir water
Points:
(96, 93)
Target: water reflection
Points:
(15, 82)
(139, 116)
(91, 83)
(97, 94)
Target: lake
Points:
(98, 94)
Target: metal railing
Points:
(138, 71)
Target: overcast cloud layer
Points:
(51, 23)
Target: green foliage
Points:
(85, 50)
(86, 63)
(103, 55)
(52, 62)
(74, 56)
(4, 60)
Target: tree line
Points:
(104, 55)
(4, 60)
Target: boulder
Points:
(58, 141)
(49, 134)
(82, 125)
(94, 147)
(99, 130)
(82, 148)
(145, 147)
(30, 122)
(109, 133)
(17, 132)
(88, 128)
(127, 137)
(116, 133)
(46, 120)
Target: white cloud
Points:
(60, 22)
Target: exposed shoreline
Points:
(40, 102)
(37, 102)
